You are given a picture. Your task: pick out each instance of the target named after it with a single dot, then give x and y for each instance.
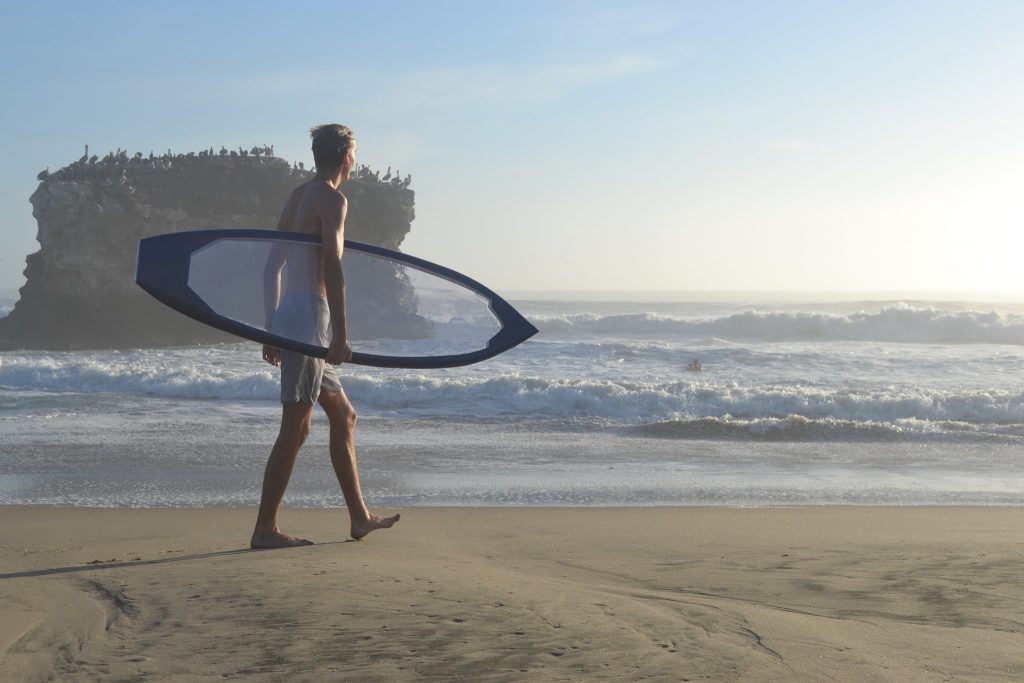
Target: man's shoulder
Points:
(330, 197)
(299, 192)
(320, 191)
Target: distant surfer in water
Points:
(314, 299)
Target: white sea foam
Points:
(82, 373)
(671, 407)
(900, 323)
(801, 428)
(597, 410)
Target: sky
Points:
(733, 145)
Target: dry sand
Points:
(676, 594)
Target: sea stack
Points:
(80, 290)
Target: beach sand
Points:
(674, 594)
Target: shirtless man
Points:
(315, 296)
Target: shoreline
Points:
(531, 507)
(669, 593)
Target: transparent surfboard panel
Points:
(392, 308)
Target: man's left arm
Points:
(272, 285)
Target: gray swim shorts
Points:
(305, 317)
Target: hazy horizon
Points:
(735, 296)
(615, 146)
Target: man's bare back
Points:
(303, 213)
(318, 208)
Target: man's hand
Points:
(272, 355)
(339, 351)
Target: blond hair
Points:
(331, 142)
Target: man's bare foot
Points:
(360, 529)
(275, 539)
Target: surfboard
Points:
(401, 311)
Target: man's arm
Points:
(272, 281)
(332, 238)
(275, 264)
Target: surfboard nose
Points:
(515, 328)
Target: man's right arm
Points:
(334, 210)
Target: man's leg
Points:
(343, 457)
(295, 421)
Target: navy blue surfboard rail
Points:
(162, 270)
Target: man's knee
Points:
(297, 422)
(297, 433)
(304, 430)
(345, 417)
(348, 418)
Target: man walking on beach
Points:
(312, 306)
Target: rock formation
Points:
(80, 290)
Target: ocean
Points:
(809, 399)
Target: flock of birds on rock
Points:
(96, 167)
(365, 173)
(117, 164)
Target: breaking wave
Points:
(145, 376)
(899, 323)
(686, 409)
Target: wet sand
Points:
(673, 594)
